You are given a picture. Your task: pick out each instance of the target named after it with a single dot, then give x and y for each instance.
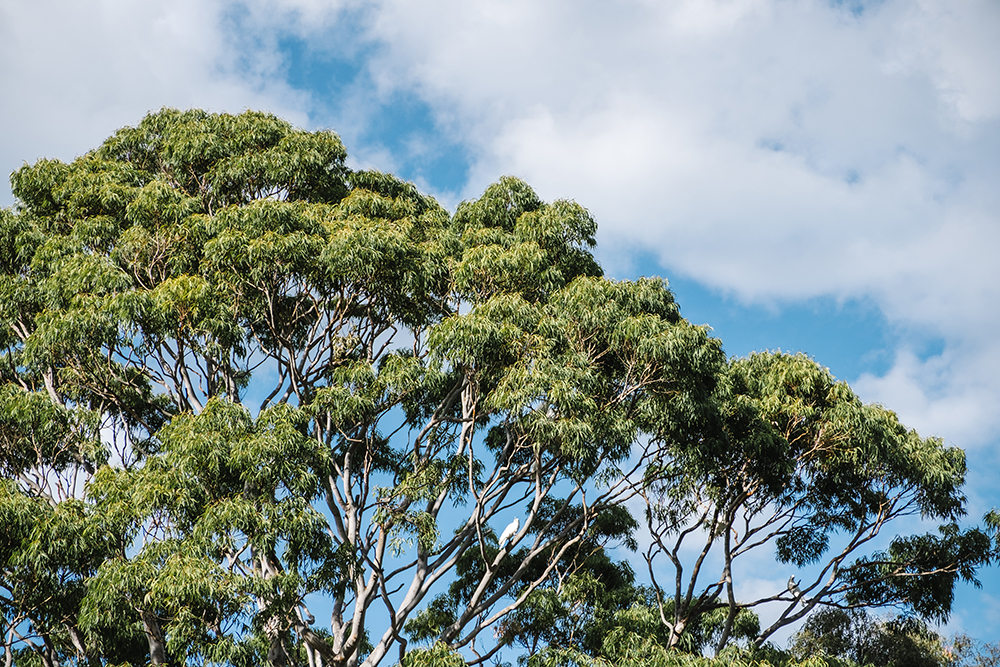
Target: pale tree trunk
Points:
(730, 593)
(317, 650)
(81, 646)
(154, 635)
(277, 653)
(48, 652)
(8, 655)
(676, 630)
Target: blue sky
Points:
(809, 174)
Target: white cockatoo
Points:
(509, 532)
(793, 587)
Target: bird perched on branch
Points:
(793, 587)
(509, 532)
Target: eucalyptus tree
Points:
(257, 387)
(855, 635)
(815, 476)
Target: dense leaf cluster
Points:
(816, 475)
(259, 408)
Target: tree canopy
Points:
(815, 475)
(257, 407)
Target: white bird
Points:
(793, 587)
(509, 531)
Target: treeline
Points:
(829, 638)
(260, 408)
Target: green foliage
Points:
(402, 358)
(815, 474)
(857, 636)
(437, 655)
(634, 650)
(929, 595)
(239, 379)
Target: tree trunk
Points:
(154, 635)
(80, 644)
(276, 654)
(676, 630)
(48, 652)
(730, 593)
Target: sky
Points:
(815, 175)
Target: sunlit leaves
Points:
(437, 655)
(514, 243)
(814, 473)
(36, 432)
(279, 379)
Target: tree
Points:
(570, 608)
(816, 475)
(855, 635)
(243, 386)
(964, 651)
(247, 381)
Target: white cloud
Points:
(72, 73)
(956, 44)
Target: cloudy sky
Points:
(817, 175)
